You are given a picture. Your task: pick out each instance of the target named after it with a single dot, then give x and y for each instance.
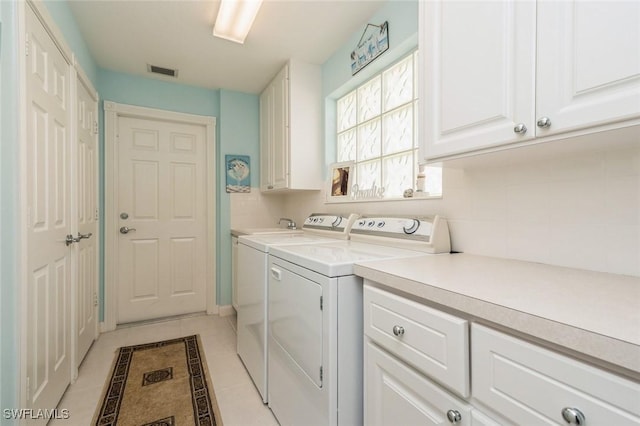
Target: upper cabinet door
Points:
(588, 64)
(266, 138)
(478, 69)
(290, 129)
(280, 146)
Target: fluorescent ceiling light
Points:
(235, 18)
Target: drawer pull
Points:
(454, 416)
(573, 416)
(398, 330)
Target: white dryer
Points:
(315, 333)
(252, 286)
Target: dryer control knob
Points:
(411, 226)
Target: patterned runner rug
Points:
(159, 384)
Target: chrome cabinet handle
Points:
(544, 122)
(398, 330)
(84, 236)
(573, 416)
(454, 416)
(520, 129)
(126, 230)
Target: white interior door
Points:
(162, 201)
(87, 217)
(48, 218)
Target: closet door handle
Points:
(70, 240)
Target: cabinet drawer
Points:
(432, 341)
(395, 394)
(532, 385)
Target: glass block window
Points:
(377, 129)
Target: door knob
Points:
(126, 230)
(84, 236)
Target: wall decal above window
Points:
(373, 42)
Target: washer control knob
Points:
(411, 226)
(381, 224)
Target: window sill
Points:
(384, 200)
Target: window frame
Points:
(357, 124)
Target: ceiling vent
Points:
(160, 70)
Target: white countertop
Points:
(592, 313)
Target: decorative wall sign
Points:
(372, 193)
(373, 42)
(341, 175)
(238, 173)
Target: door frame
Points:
(112, 112)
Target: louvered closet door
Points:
(48, 165)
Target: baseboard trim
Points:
(226, 310)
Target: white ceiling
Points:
(125, 36)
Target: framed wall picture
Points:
(340, 180)
(238, 173)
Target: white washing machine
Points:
(315, 329)
(251, 278)
(235, 233)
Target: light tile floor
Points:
(239, 401)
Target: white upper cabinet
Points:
(290, 129)
(478, 69)
(588, 63)
(505, 72)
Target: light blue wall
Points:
(147, 92)
(9, 365)
(337, 80)
(239, 134)
(61, 13)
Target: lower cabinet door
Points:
(530, 385)
(396, 394)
